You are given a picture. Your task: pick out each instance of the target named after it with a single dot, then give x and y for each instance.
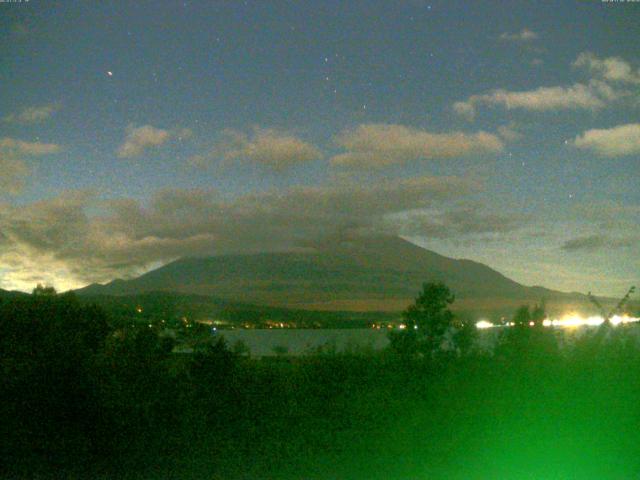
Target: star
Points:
(110, 73)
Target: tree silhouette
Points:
(538, 314)
(426, 321)
(615, 310)
(42, 291)
(522, 317)
(49, 344)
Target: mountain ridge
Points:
(364, 273)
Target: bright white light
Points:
(484, 324)
(616, 319)
(571, 320)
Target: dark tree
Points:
(615, 310)
(426, 321)
(527, 341)
(522, 317)
(538, 314)
(464, 336)
(48, 347)
(42, 291)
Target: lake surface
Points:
(292, 341)
(302, 341)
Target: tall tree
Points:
(426, 321)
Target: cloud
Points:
(32, 114)
(276, 150)
(14, 171)
(609, 217)
(458, 222)
(608, 77)
(128, 236)
(381, 145)
(591, 96)
(13, 168)
(593, 243)
(509, 132)
(8, 144)
(611, 142)
(605, 211)
(466, 109)
(139, 139)
(613, 69)
(524, 35)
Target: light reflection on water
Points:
(269, 342)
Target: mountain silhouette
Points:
(361, 273)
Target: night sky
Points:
(134, 133)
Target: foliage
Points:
(522, 317)
(527, 340)
(430, 324)
(624, 301)
(82, 401)
(49, 344)
(538, 314)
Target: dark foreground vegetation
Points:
(81, 398)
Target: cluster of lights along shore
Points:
(570, 320)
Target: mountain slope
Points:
(368, 273)
(8, 294)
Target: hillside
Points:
(10, 294)
(367, 273)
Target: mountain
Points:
(10, 294)
(359, 274)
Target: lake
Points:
(302, 341)
(269, 342)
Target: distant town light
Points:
(484, 324)
(571, 320)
